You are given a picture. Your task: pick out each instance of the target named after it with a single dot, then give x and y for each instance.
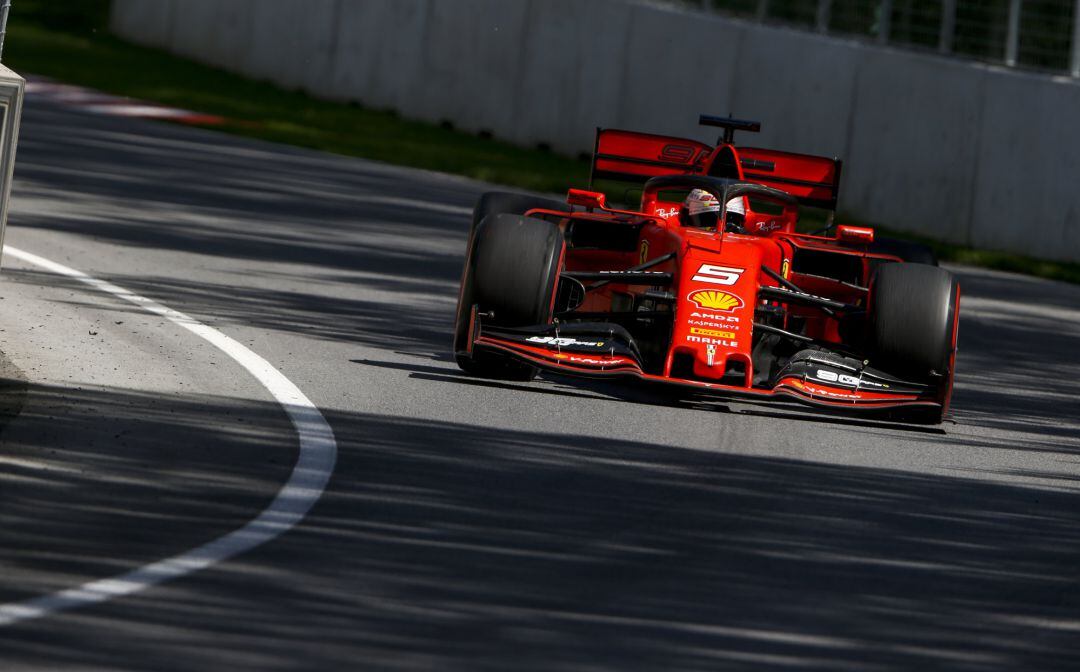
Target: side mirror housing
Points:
(862, 235)
(587, 199)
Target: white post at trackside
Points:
(1074, 62)
(948, 26)
(884, 21)
(824, 10)
(5, 9)
(1012, 37)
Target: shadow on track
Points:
(98, 480)
(1018, 369)
(212, 194)
(405, 325)
(449, 546)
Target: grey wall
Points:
(970, 153)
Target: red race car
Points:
(707, 285)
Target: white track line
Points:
(315, 463)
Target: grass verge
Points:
(69, 41)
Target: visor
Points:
(704, 220)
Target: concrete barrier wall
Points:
(969, 153)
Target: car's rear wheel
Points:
(912, 325)
(511, 275)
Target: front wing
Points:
(606, 351)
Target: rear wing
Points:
(628, 156)
(814, 180)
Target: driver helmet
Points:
(736, 215)
(701, 210)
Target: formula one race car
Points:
(738, 305)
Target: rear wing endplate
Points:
(629, 156)
(813, 180)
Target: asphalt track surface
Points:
(472, 525)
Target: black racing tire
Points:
(505, 202)
(491, 203)
(517, 267)
(911, 320)
(512, 274)
(913, 253)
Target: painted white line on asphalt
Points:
(310, 474)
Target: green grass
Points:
(68, 41)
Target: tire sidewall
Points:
(516, 268)
(912, 320)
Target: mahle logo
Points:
(714, 300)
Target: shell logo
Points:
(714, 300)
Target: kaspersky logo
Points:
(712, 299)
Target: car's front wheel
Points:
(913, 324)
(490, 203)
(511, 275)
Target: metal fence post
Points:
(5, 9)
(824, 9)
(1074, 62)
(948, 26)
(1012, 38)
(12, 88)
(884, 21)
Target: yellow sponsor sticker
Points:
(715, 300)
(715, 333)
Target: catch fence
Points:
(1035, 34)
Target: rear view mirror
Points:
(862, 235)
(587, 199)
